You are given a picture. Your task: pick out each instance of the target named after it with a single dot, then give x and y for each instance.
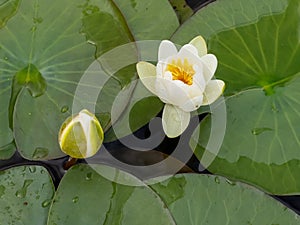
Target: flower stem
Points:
(71, 162)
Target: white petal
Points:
(193, 104)
(171, 92)
(174, 120)
(147, 74)
(190, 48)
(210, 62)
(212, 92)
(159, 69)
(200, 45)
(188, 51)
(198, 78)
(194, 91)
(166, 49)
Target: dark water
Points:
(197, 4)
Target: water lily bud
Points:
(81, 136)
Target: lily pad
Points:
(42, 65)
(90, 193)
(84, 196)
(26, 193)
(207, 199)
(257, 46)
(142, 107)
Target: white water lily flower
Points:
(183, 80)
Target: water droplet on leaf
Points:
(258, 131)
(88, 176)
(23, 191)
(40, 153)
(91, 42)
(230, 182)
(64, 109)
(217, 180)
(46, 203)
(75, 199)
(32, 169)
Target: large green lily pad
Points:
(46, 48)
(98, 194)
(205, 199)
(26, 193)
(257, 45)
(85, 197)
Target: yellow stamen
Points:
(181, 71)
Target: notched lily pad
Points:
(29, 78)
(44, 63)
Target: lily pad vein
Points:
(238, 57)
(248, 50)
(62, 52)
(60, 37)
(65, 63)
(256, 125)
(282, 150)
(261, 49)
(17, 43)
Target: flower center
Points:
(182, 71)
